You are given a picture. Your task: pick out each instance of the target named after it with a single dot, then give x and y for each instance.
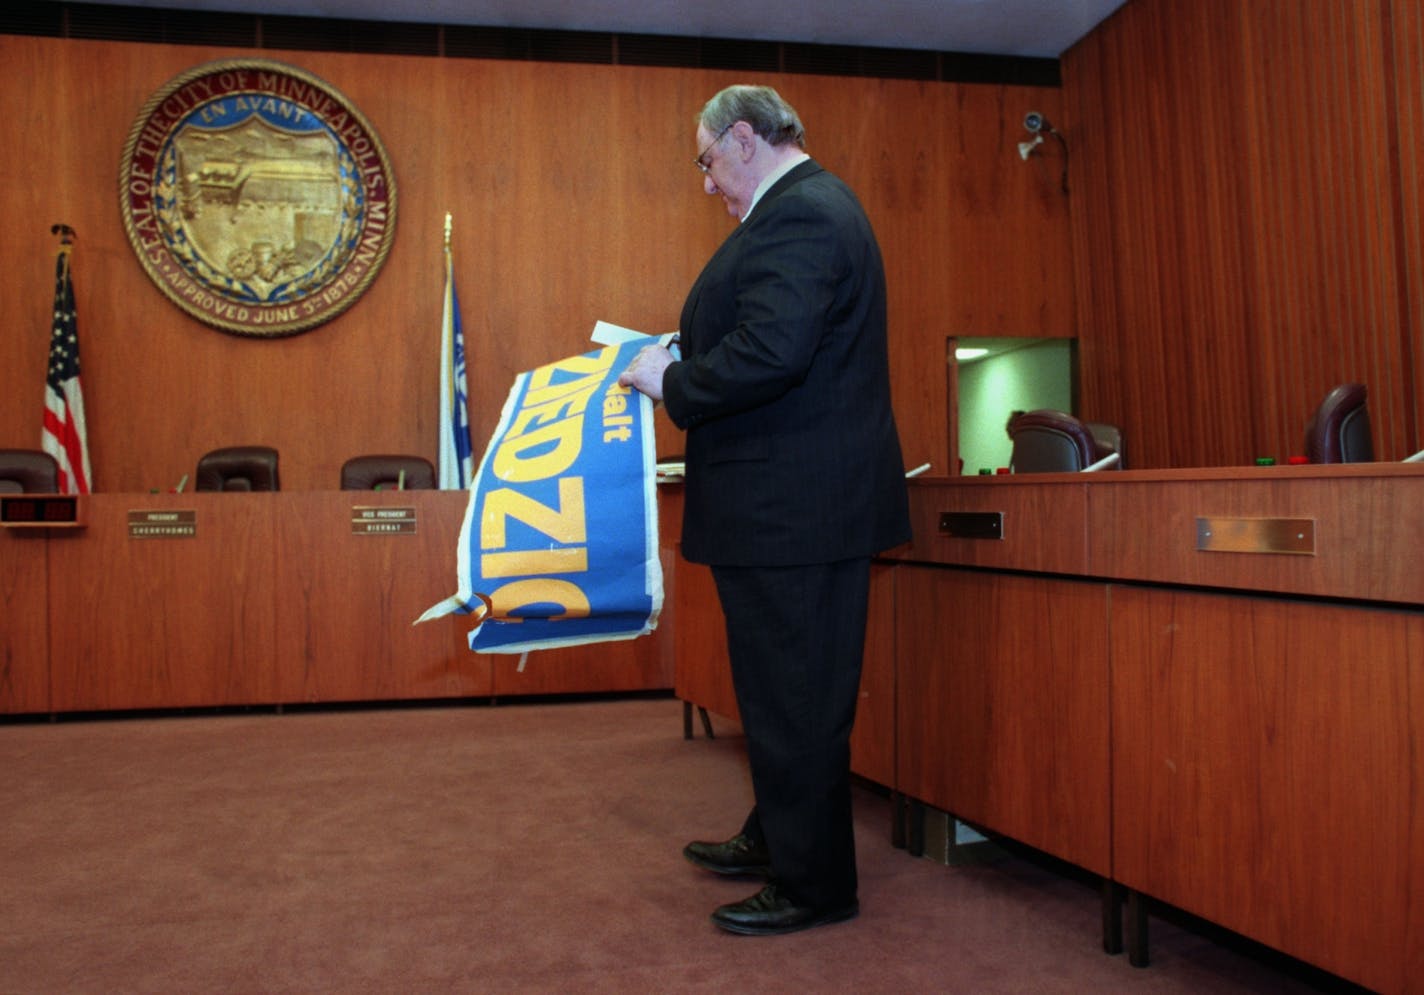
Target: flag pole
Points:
(445, 477)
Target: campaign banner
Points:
(559, 544)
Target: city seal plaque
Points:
(256, 197)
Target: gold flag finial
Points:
(447, 231)
(66, 242)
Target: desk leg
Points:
(1112, 916)
(687, 721)
(1136, 928)
(915, 828)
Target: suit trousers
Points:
(796, 639)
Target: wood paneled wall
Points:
(1247, 183)
(574, 199)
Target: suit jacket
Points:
(784, 389)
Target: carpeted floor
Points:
(508, 848)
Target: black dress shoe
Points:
(738, 855)
(769, 912)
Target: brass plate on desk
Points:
(1256, 535)
(972, 524)
(166, 524)
(382, 521)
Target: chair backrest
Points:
(383, 473)
(28, 471)
(1339, 431)
(1048, 441)
(238, 468)
(1107, 439)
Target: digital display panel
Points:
(39, 510)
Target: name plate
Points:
(380, 521)
(972, 524)
(163, 524)
(1256, 535)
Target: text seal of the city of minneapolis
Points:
(257, 198)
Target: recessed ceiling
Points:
(1025, 28)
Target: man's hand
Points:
(645, 373)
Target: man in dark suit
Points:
(794, 480)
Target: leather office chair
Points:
(28, 471)
(383, 473)
(1339, 431)
(1048, 441)
(238, 468)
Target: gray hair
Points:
(770, 116)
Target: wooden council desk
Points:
(1206, 686)
(1238, 733)
(272, 599)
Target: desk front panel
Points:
(272, 598)
(1367, 521)
(1267, 772)
(168, 622)
(24, 632)
(346, 601)
(1044, 522)
(1002, 705)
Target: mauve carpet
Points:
(492, 848)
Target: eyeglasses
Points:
(701, 161)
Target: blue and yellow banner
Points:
(560, 540)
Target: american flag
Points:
(64, 436)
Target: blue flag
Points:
(560, 539)
(455, 453)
